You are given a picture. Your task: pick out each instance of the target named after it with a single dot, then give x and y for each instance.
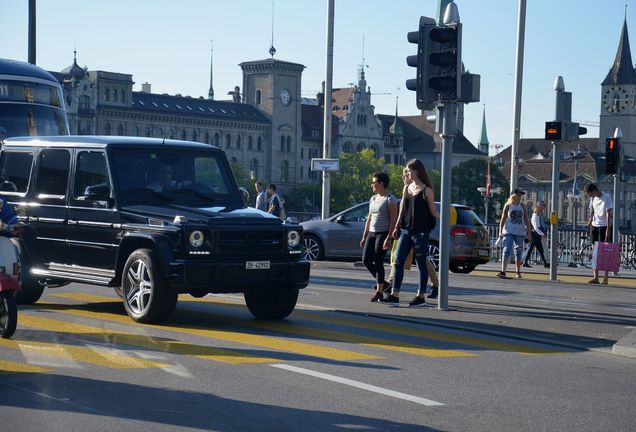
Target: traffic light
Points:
(425, 98)
(553, 131)
(612, 152)
(444, 76)
(571, 131)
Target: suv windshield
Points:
(466, 216)
(187, 177)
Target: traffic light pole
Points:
(448, 112)
(559, 88)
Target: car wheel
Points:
(433, 254)
(31, 289)
(266, 303)
(147, 297)
(312, 248)
(462, 268)
(8, 314)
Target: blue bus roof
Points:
(15, 67)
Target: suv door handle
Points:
(72, 222)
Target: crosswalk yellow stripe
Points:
(270, 342)
(7, 366)
(411, 332)
(93, 355)
(154, 343)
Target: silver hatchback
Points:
(339, 238)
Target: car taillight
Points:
(462, 231)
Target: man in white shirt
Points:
(600, 222)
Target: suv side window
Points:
(16, 168)
(52, 179)
(91, 170)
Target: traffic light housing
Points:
(444, 70)
(612, 155)
(553, 131)
(425, 98)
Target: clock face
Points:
(617, 99)
(285, 97)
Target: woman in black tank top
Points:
(415, 222)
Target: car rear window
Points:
(467, 217)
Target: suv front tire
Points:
(147, 297)
(271, 304)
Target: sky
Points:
(167, 44)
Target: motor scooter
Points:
(9, 284)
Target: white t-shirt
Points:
(598, 206)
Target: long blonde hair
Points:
(511, 198)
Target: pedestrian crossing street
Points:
(82, 330)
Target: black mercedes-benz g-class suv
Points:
(150, 217)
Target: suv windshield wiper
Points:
(162, 196)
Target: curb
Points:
(627, 346)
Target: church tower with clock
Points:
(273, 86)
(618, 95)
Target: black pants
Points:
(373, 255)
(535, 243)
(598, 234)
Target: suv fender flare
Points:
(132, 242)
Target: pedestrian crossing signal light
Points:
(612, 152)
(553, 131)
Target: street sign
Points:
(325, 164)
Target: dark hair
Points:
(591, 187)
(382, 178)
(418, 167)
(272, 186)
(260, 183)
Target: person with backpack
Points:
(275, 204)
(417, 218)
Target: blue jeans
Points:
(419, 243)
(508, 241)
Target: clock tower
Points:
(273, 86)
(618, 96)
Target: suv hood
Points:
(203, 214)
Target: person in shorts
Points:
(600, 222)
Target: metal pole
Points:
(326, 140)
(449, 130)
(32, 32)
(514, 154)
(615, 210)
(554, 207)
(486, 212)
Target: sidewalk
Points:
(625, 279)
(567, 312)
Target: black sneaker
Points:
(390, 299)
(434, 292)
(527, 265)
(417, 300)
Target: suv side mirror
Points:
(100, 192)
(340, 219)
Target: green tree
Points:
(242, 177)
(470, 175)
(352, 183)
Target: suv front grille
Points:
(251, 242)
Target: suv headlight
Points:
(293, 238)
(196, 238)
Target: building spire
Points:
(395, 128)
(622, 71)
(272, 50)
(483, 139)
(211, 90)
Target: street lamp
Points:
(574, 195)
(484, 192)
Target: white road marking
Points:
(358, 384)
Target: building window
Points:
(114, 95)
(107, 129)
(302, 172)
(238, 142)
(84, 102)
(360, 147)
(120, 130)
(194, 136)
(254, 169)
(207, 137)
(183, 135)
(258, 97)
(284, 171)
(228, 141)
(282, 143)
(122, 96)
(259, 144)
(375, 150)
(216, 139)
(249, 142)
(302, 152)
(347, 147)
(107, 95)
(387, 158)
(289, 144)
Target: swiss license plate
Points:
(257, 265)
(483, 252)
